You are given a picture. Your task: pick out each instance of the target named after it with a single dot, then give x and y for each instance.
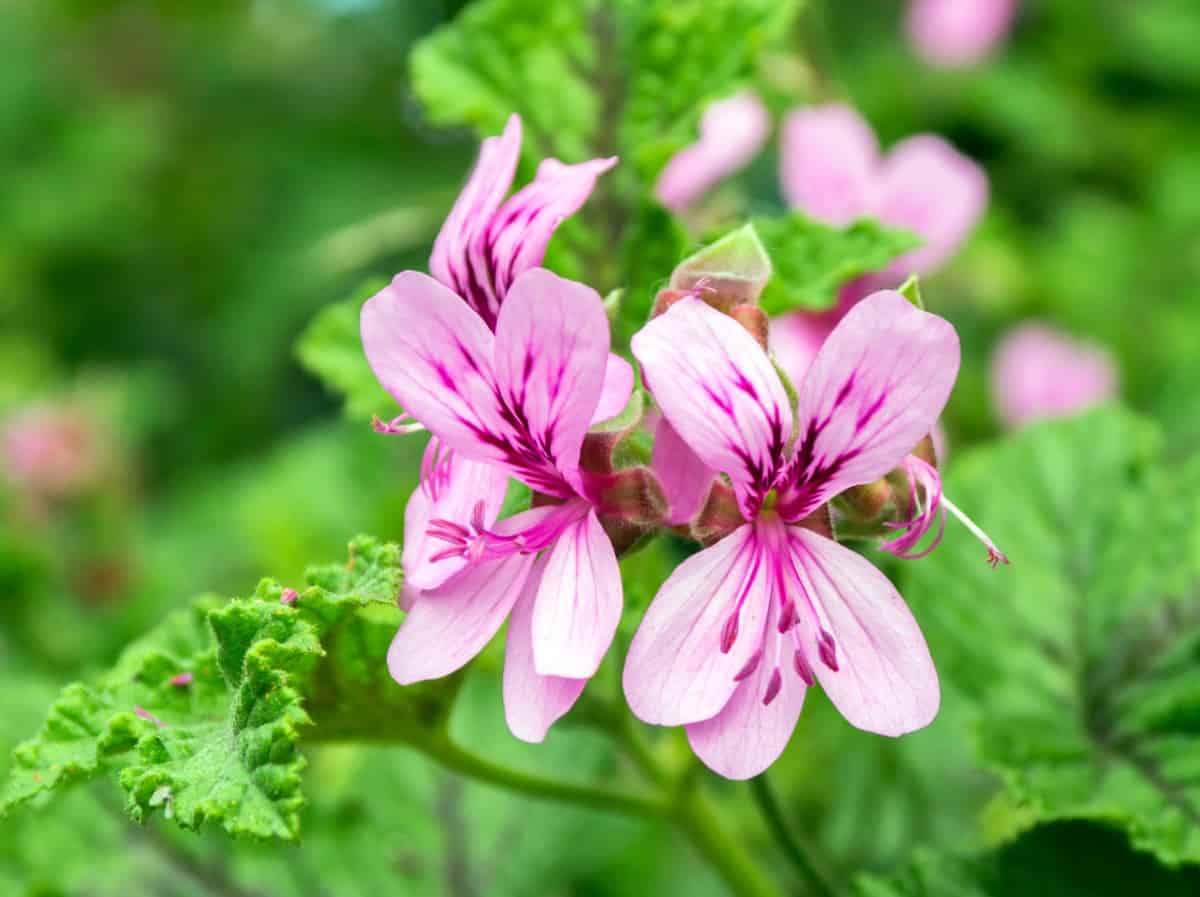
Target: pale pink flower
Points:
(1039, 372)
(485, 243)
(740, 630)
(957, 33)
(732, 131)
(832, 170)
(520, 400)
(55, 452)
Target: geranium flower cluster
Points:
(509, 368)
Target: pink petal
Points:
(719, 391)
(748, 735)
(532, 703)
(618, 387)
(434, 355)
(930, 188)
(885, 682)
(551, 354)
(953, 33)
(732, 131)
(828, 159)
(874, 391)
(518, 234)
(449, 625)
(675, 672)
(470, 217)
(1039, 372)
(684, 478)
(456, 487)
(578, 604)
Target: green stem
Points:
(696, 817)
(441, 748)
(764, 797)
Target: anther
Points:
(729, 633)
(773, 686)
(827, 648)
(803, 670)
(750, 666)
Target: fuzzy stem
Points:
(439, 747)
(764, 797)
(697, 819)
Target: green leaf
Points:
(224, 746)
(1034, 867)
(812, 260)
(655, 243)
(331, 349)
(595, 77)
(1082, 659)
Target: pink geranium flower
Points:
(520, 401)
(485, 243)
(732, 131)
(1039, 372)
(955, 33)
(832, 170)
(53, 451)
(740, 630)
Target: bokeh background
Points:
(187, 184)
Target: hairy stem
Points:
(441, 748)
(697, 819)
(695, 816)
(764, 797)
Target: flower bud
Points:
(732, 271)
(718, 518)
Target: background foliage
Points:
(198, 195)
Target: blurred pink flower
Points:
(832, 169)
(732, 131)
(740, 630)
(519, 402)
(956, 33)
(1040, 372)
(52, 451)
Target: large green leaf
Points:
(1082, 659)
(593, 78)
(812, 260)
(1037, 865)
(331, 349)
(223, 746)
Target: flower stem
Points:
(764, 797)
(695, 816)
(441, 748)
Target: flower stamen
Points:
(995, 556)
